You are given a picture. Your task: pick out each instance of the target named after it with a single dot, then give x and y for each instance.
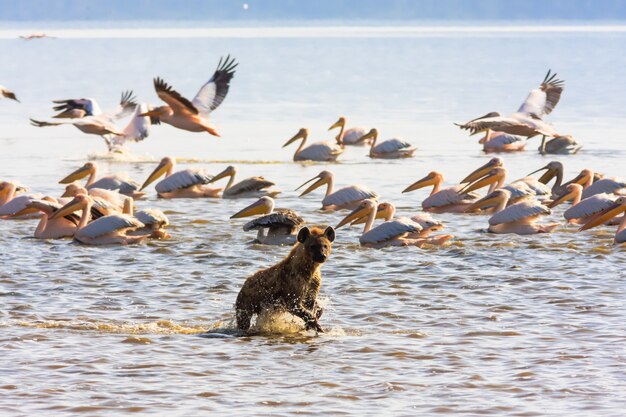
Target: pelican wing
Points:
(499, 123)
(390, 230)
(138, 127)
(541, 101)
(320, 151)
(51, 207)
(537, 188)
(128, 104)
(519, 189)
(249, 185)
(504, 139)
(563, 145)
(353, 134)
(280, 218)
(605, 185)
(215, 90)
(448, 196)
(118, 182)
(109, 224)
(89, 106)
(348, 195)
(17, 204)
(519, 212)
(183, 179)
(589, 206)
(178, 103)
(425, 220)
(151, 217)
(392, 145)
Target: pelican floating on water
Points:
(605, 185)
(618, 207)
(111, 196)
(501, 142)
(120, 182)
(154, 221)
(562, 145)
(388, 149)
(582, 210)
(186, 183)
(193, 116)
(282, 225)
(351, 136)
(48, 228)
(319, 151)
(250, 187)
(5, 92)
(345, 198)
(443, 200)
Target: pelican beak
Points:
(337, 124)
(355, 215)
(424, 182)
(298, 135)
(561, 199)
(482, 140)
(480, 183)
(161, 169)
(66, 194)
(547, 176)
(227, 172)
(380, 214)
(151, 113)
(213, 131)
(69, 208)
(488, 201)
(481, 171)
(604, 216)
(81, 172)
(316, 184)
(258, 207)
(366, 136)
(580, 179)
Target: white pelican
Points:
(76, 108)
(443, 200)
(562, 145)
(351, 136)
(282, 225)
(17, 207)
(519, 218)
(53, 228)
(319, 151)
(388, 149)
(391, 233)
(5, 92)
(112, 196)
(120, 182)
(250, 187)
(111, 229)
(193, 116)
(528, 120)
(154, 221)
(344, 198)
(605, 185)
(618, 206)
(582, 210)
(501, 142)
(186, 183)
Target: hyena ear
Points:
(303, 234)
(330, 233)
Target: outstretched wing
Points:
(541, 101)
(128, 103)
(78, 107)
(178, 103)
(214, 91)
(138, 127)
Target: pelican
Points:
(351, 136)
(605, 185)
(319, 151)
(562, 145)
(17, 207)
(519, 218)
(111, 229)
(113, 197)
(120, 182)
(528, 120)
(344, 198)
(618, 206)
(446, 200)
(501, 142)
(582, 210)
(5, 92)
(389, 149)
(37, 35)
(193, 116)
(48, 228)
(186, 183)
(250, 187)
(154, 221)
(391, 233)
(282, 224)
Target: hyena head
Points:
(316, 242)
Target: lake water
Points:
(495, 325)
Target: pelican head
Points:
(372, 134)
(6, 187)
(80, 202)
(157, 112)
(230, 171)
(364, 208)
(553, 169)
(482, 170)
(493, 176)
(263, 205)
(302, 134)
(87, 169)
(585, 177)
(384, 211)
(164, 166)
(571, 191)
(339, 123)
(433, 178)
(619, 206)
(324, 177)
(72, 189)
(493, 199)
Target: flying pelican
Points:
(446, 200)
(351, 136)
(501, 142)
(344, 198)
(519, 218)
(618, 206)
(193, 116)
(282, 224)
(389, 149)
(319, 151)
(250, 187)
(111, 229)
(5, 92)
(391, 233)
(562, 145)
(605, 185)
(528, 120)
(582, 210)
(119, 182)
(186, 183)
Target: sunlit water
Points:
(501, 325)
